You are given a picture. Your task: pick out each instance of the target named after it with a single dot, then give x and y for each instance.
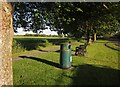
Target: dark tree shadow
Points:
(86, 75)
(43, 61)
(57, 51)
(58, 41)
(33, 43)
(99, 42)
(114, 39)
(43, 50)
(111, 47)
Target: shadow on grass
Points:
(43, 50)
(43, 61)
(92, 75)
(111, 47)
(99, 42)
(58, 41)
(57, 51)
(85, 75)
(33, 43)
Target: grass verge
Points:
(99, 67)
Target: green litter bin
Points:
(65, 56)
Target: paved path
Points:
(36, 52)
(116, 42)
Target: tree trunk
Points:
(94, 39)
(89, 40)
(88, 37)
(6, 36)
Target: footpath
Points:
(36, 52)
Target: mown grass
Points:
(100, 54)
(98, 67)
(24, 45)
(27, 44)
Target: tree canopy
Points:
(29, 16)
(74, 18)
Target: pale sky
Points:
(46, 31)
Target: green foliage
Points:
(29, 16)
(45, 43)
(29, 35)
(38, 43)
(117, 35)
(39, 48)
(108, 25)
(41, 35)
(79, 18)
(68, 18)
(32, 43)
(17, 47)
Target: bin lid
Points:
(65, 46)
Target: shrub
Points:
(43, 44)
(17, 47)
(39, 48)
(29, 35)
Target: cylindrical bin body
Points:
(65, 55)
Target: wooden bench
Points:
(81, 50)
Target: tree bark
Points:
(89, 40)
(94, 39)
(88, 37)
(6, 36)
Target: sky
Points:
(47, 32)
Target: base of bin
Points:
(63, 67)
(69, 69)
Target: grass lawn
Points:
(98, 67)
